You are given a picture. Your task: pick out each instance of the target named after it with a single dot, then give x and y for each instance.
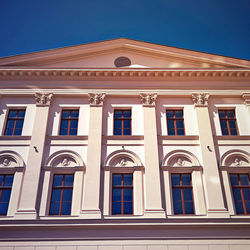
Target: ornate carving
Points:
(6, 162)
(123, 162)
(43, 99)
(65, 162)
(180, 162)
(237, 162)
(200, 99)
(148, 99)
(246, 97)
(96, 99)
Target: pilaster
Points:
(153, 202)
(246, 97)
(212, 184)
(91, 198)
(28, 197)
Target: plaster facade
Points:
(159, 79)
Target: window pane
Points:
(170, 114)
(58, 179)
(189, 207)
(186, 179)
(127, 113)
(8, 181)
(176, 194)
(244, 179)
(1, 180)
(187, 194)
(56, 195)
(68, 181)
(239, 207)
(232, 124)
(175, 178)
(66, 208)
(237, 194)
(54, 208)
(117, 132)
(234, 131)
(248, 206)
(64, 124)
(234, 180)
(127, 179)
(75, 113)
(225, 132)
(19, 124)
(117, 194)
(21, 113)
(128, 208)
(127, 131)
(73, 132)
(171, 131)
(179, 124)
(178, 207)
(10, 124)
(170, 124)
(65, 114)
(5, 195)
(67, 194)
(118, 124)
(222, 114)
(127, 194)
(118, 114)
(4, 208)
(8, 131)
(127, 124)
(246, 194)
(180, 132)
(116, 208)
(63, 131)
(73, 123)
(117, 180)
(18, 132)
(179, 114)
(230, 114)
(12, 114)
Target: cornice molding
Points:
(246, 97)
(125, 73)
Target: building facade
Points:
(124, 144)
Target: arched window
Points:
(123, 182)
(183, 184)
(235, 168)
(11, 173)
(62, 184)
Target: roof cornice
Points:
(125, 73)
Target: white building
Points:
(126, 145)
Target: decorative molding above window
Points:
(10, 159)
(148, 99)
(43, 99)
(235, 158)
(200, 99)
(96, 99)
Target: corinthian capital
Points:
(200, 99)
(148, 99)
(43, 99)
(96, 99)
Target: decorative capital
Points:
(148, 99)
(96, 99)
(43, 99)
(246, 97)
(200, 99)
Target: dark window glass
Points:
(175, 122)
(14, 124)
(182, 193)
(228, 122)
(122, 194)
(122, 122)
(241, 192)
(5, 191)
(69, 122)
(61, 197)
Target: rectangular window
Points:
(5, 191)
(14, 124)
(122, 194)
(69, 122)
(61, 197)
(228, 122)
(175, 122)
(182, 194)
(122, 122)
(241, 192)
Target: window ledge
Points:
(232, 137)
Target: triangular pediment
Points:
(120, 53)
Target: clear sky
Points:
(214, 26)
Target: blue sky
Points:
(213, 26)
